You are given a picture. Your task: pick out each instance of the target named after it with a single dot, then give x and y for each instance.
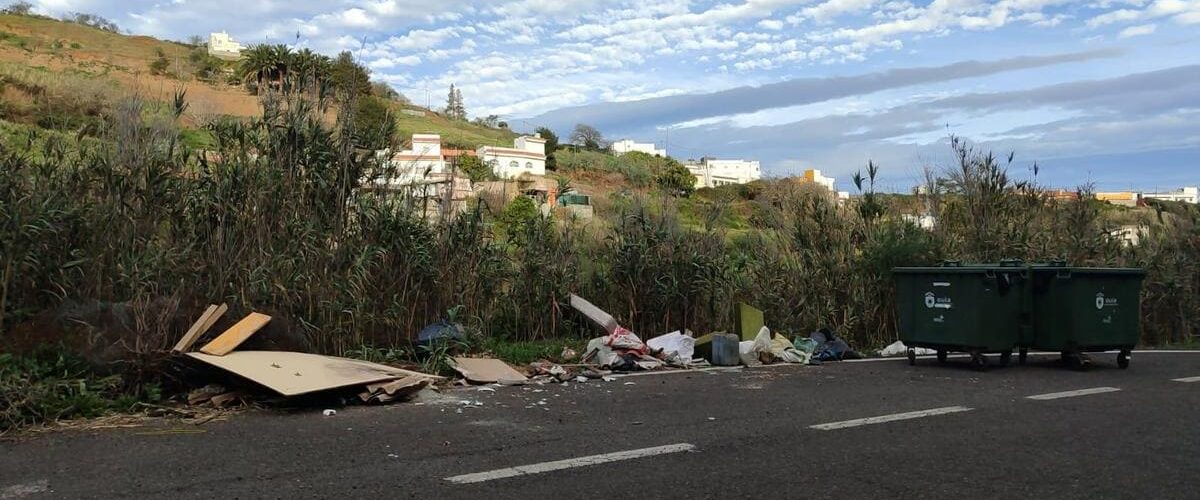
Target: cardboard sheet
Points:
(487, 370)
(295, 373)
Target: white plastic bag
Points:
(674, 345)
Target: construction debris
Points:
(605, 320)
(487, 371)
(235, 335)
(296, 373)
(200, 327)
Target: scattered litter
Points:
(329, 413)
(581, 379)
(608, 379)
(568, 354)
(636, 423)
(486, 370)
(710, 419)
(441, 331)
(674, 347)
(898, 348)
(629, 383)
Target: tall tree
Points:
(460, 108)
(587, 136)
(551, 146)
(452, 103)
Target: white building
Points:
(223, 45)
(1187, 195)
(528, 155)
(814, 176)
(419, 163)
(627, 145)
(711, 172)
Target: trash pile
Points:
(621, 350)
(287, 373)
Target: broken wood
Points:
(235, 335)
(200, 327)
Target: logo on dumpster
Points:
(1102, 301)
(932, 301)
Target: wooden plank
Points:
(295, 373)
(200, 327)
(193, 331)
(235, 335)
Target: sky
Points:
(1097, 91)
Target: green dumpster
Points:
(1076, 310)
(962, 308)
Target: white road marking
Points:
(1071, 394)
(539, 468)
(889, 418)
(1187, 379)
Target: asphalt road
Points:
(1130, 434)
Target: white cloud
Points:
(1139, 30)
(771, 24)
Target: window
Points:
(529, 165)
(514, 165)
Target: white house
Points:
(711, 172)
(528, 155)
(1186, 195)
(814, 176)
(626, 145)
(419, 163)
(223, 45)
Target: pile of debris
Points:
(621, 350)
(289, 374)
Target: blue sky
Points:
(1106, 91)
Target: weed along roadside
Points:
(155, 251)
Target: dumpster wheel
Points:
(912, 356)
(1021, 355)
(978, 361)
(1123, 359)
(1005, 358)
(941, 354)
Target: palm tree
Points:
(309, 69)
(265, 62)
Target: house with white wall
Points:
(418, 163)
(224, 46)
(528, 155)
(1188, 194)
(711, 172)
(627, 145)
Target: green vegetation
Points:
(52, 384)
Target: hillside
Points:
(49, 50)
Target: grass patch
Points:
(524, 352)
(52, 385)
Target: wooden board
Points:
(486, 370)
(236, 334)
(597, 315)
(295, 373)
(200, 327)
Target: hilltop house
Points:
(528, 155)
(627, 145)
(1189, 194)
(711, 172)
(223, 46)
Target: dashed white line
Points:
(539, 468)
(889, 418)
(1071, 394)
(1187, 379)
